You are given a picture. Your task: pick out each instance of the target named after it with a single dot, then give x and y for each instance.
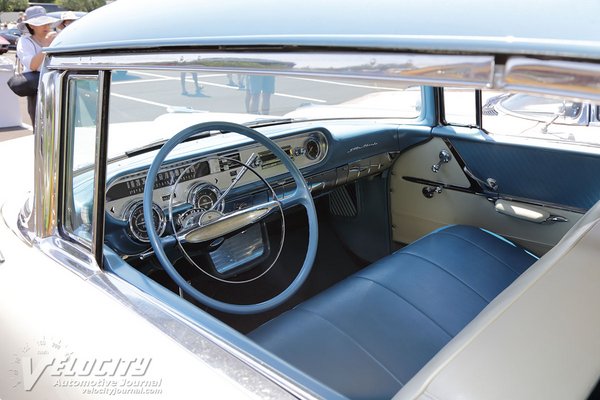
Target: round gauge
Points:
(137, 223)
(312, 149)
(204, 196)
(190, 218)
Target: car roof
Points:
(553, 27)
(58, 14)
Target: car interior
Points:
(367, 252)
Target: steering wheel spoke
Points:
(168, 241)
(228, 223)
(297, 197)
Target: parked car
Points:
(3, 45)
(347, 226)
(532, 116)
(12, 36)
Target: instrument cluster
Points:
(194, 186)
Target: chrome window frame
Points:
(475, 70)
(48, 152)
(67, 175)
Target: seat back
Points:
(540, 338)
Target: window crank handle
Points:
(445, 158)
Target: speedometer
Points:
(137, 223)
(204, 196)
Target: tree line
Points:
(74, 5)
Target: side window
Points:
(82, 103)
(459, 106)
(527, 119)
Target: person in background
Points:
(259, 89)
(198, 87)
(66, 19)
(38, 32)
(240, 83)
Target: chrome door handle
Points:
(429, 191)
(555, 218)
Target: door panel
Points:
(552, 176)
(462, 200)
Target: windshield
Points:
(149, 106)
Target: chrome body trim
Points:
(74, 257)
(463, 70)
(478, 71)
(47, 155)
(24, 223)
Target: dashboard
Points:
(194, 185)
(190, 185)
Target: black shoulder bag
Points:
(24, 84)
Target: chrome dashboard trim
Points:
(242, 147)
(463, 70)
(200, 186)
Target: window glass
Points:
(82, 92)
(147, 106)
(459, 106)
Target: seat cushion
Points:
(368, 335)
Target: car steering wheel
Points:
(238, 219)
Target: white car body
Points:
(89, 308)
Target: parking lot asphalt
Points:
(12, 132)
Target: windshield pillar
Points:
(47, 155)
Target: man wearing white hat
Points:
(38, 33)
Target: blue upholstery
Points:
(368, 335)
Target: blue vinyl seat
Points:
(369, 334)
